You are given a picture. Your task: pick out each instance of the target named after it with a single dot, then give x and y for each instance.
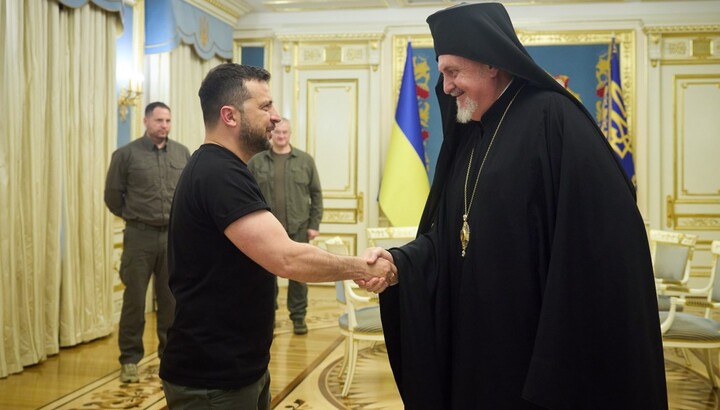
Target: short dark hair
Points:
(151, 107)
(225, 85)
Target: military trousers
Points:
(297, 292)
(144, 255)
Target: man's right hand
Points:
(379, 258)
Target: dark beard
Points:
(253, 140)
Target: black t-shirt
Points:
(224, 311)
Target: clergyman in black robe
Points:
(553, 304)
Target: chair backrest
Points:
(344, 292)
(391, 236)
(715, 271)
(672, 254)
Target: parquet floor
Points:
(303, 371)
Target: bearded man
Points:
(225, 246)
(530, 284)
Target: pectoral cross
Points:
(464, 235)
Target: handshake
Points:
(381, 270)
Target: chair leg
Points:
(346, 357)
(351, 369)
(684, 353)
(709, 366)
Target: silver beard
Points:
(464, 114)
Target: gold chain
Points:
(465, 230)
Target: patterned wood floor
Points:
(304, 371)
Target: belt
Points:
(145, 227)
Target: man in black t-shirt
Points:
(224, 247)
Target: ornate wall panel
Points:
(685, 61)
(684, 44)
(695, 201)
(333, 143)
(328, 83)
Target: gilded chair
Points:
(671, 254)
(391, 237)
(687, 331)
(358, 323)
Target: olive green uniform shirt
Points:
(303, 194)
(141, 180)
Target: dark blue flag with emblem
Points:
(613, 117)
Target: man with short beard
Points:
(530, 284)
(139, 188)
(224, 248)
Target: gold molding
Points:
(391, 233)
(706, 222)
(340, 216)
(349, 238)
(330, 51)
(679, 136)
(543, 38)
(701, 48)
(316, 5)
(698, 221)
(265, 42)
(333, 38)
(332, 66)
(681, 29)
(686, 45)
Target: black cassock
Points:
(554, 304)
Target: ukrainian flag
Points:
(614, 124)
(405, 184)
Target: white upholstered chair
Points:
(357, 323)
(672, 254)
(688, 331)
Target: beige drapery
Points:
(187, 71)
(57, 76)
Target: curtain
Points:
(11, 78)
(187, 71)
(58, 97)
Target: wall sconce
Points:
(130, 95)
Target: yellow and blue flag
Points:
(614, 119)
(405, 185)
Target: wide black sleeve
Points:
(409, 320)
(598, 343)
